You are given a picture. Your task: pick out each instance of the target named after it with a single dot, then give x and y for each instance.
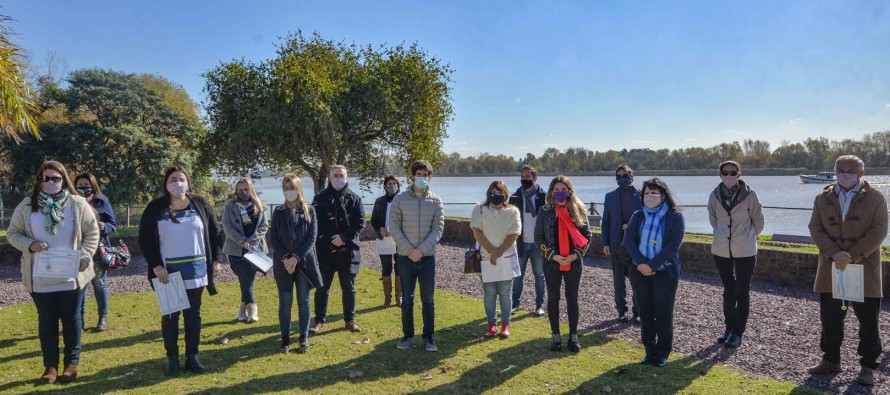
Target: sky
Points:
(535, 74)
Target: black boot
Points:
(192, 364)
(103, 323)
(304, 345)
(172, 367)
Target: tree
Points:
(318, 103)
(17, 102)
(121, 129)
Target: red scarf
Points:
(568, 229)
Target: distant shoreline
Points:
(878, 171)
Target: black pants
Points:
(192, 318)
(387, 261)
(572, 279)
(833, 329)
(656, 295)
(621, 267)
(53, 307)
(736, 274)
(347, 285)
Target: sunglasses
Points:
(54, 179)
(622, 176)
(729, 173)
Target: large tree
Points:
(318, 103)
(17, 102)
(124, 128)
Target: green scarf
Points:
(52, 210)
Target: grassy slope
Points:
(130, 357)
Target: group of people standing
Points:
(314, 242)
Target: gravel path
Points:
(781, 341)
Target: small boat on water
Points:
(824, 177)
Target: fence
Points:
(779, 220)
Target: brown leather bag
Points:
(472, 261)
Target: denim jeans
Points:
(192, 318)
(53, 307)
(246, 273)
(411, 273)
(347, 286)
(532, 253)
(285, 284)
(498, 290)
(100, 288)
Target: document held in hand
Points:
(260, 260)
(849, 284)
(171, 296)
(57, 263)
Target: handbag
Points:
(472, 261)
(111, 257)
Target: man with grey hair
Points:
(341, 218)
(848, 224)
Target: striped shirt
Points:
(182, 246)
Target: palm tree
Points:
(16, 99)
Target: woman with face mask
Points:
(88, 187)
(736, 216)
(386, 246)
(562, 232)
(652, 238)
(496, 225)
(292, 234)
(178, 233)
(245, 225)
(55, 217)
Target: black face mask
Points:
(85, 192)
(526, 184)
(497, 200)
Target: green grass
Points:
(129, 358)
(3, 236)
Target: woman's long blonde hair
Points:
(258, 205)
(301, 199)
(576, 207)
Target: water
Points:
(793, 199)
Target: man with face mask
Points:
(529, 198)
(341, 218)
(848, 224)
(619, 205)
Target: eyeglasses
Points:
(622, 175)
(53, 179)
(729, 173)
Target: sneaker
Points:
(430, 345)
(825, 367)
(514, 310)
(539, 311)
(317, 327)
(405, 343)
(622, 318)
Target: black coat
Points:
(150, 243)
(546, 233)
(287, 237)
(327, 204)
(378, 213)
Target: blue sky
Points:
(528, 75)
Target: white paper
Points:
(171, 296)
(57, 263)
(260, 260)
(852, 288)
(507, 267)
(387, 246)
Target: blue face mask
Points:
(421, 182)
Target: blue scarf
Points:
(652, 230)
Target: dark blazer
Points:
(611, 229)
(298, 239)
(328, 224)
(674, 229)
(106, 215)
(150, 243)
(546, 230)
(378, 213)
(517, 200)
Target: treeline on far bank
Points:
(756, 157)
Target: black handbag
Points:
(472, 262)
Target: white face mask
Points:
(846, 180)
(338, 183)
(177, 188)
(291, 195)
(652, 200)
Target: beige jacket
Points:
(735, 232)
(86, 237)
(860, 234)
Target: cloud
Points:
(887, 106)
(690, 139)
(795, 121)
(642, 142)
(523, 147)
(459, 143)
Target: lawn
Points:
(242, 358)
